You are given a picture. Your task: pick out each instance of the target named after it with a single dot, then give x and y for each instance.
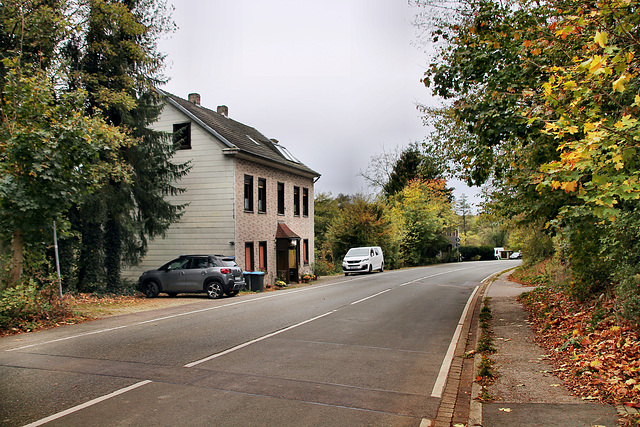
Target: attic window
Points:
(182, 135)
(253, 140)
(286, 154)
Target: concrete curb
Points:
(456, 403)
(475, 406)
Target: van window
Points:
(357, 252)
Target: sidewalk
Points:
(526, 393)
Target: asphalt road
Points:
(357, 350)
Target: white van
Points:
(361, 260)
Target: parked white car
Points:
(363, 260)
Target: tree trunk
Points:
(17, 245)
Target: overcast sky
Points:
(335, 81)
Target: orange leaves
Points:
(597, 360)
(568, 187)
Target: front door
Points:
(287, 256)
(293, 264)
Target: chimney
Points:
(275, 141)
(223, 110)
(194, 98)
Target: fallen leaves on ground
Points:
(78, 308)
(596, 353)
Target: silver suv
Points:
(193, 274)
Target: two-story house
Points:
(247, 195)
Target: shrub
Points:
(27, 304)
(476, 252)
(537, 246)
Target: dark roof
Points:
(284, 232)
(239, 137)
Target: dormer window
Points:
(182, 135)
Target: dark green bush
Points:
(470, 253)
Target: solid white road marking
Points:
(438, 387)
(87, 404)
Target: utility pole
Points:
(55, 249)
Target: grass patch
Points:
(486, 374)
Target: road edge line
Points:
(441, 380)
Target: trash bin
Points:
(247, 280)
(257, 281)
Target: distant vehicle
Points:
(516, 255)
(194, 274)
(363, 260)
(496, 252)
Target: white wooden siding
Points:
(207, 225)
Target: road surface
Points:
(358, 350)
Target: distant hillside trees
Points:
(408, 218)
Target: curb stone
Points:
(455, 406)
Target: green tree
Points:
(363, 222)
(592, 107)
(545, 103)
(326, 209)
(463, 208)
(423, 212)
(119, 67)
(52, 154)
(392, 171)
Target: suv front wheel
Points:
(214, 290)
(151, 289)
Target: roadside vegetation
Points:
(77, 93)
(486, 374)
(594, 350)
(542, 106)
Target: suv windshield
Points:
(358, 252)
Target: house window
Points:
(281, 198)
(262, 256)
(248, 256)
(182, 135)
(262, 195)
(296, 201)
(305, 251)
(248, 193)
(305, 202)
